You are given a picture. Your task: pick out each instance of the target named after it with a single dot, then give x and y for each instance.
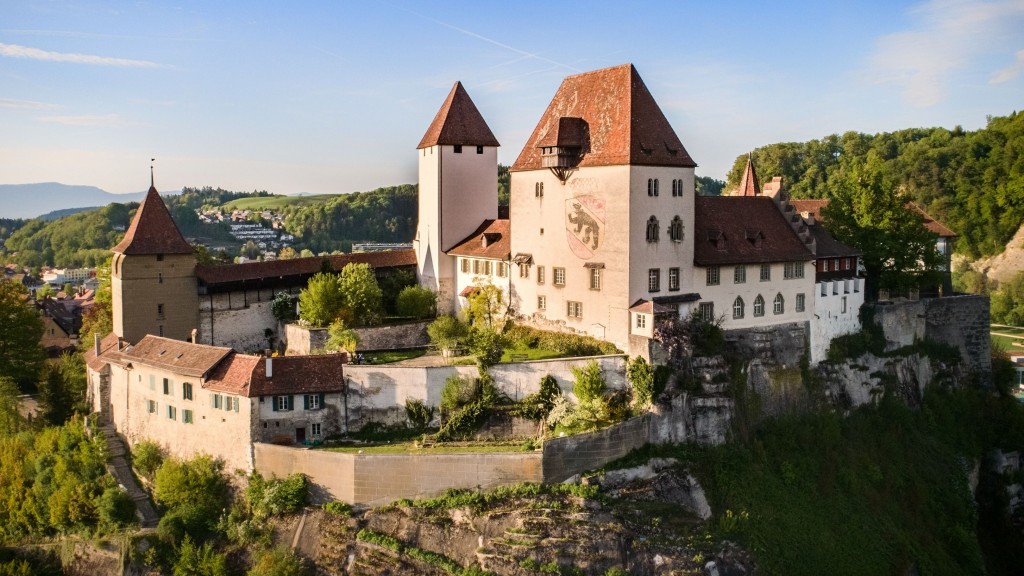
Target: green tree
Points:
(1008, 302)
(44, 292)
(283, 307)
(287, 253)
(486, 305)
(195, 560)
(416, 302)
(98, 319)
(361, 296)
(341, 338)
(194, 492)
(641, 377)
(278, 562)
(447, 333)
(321, 300)
(589, 382)
(55, 400)
(11, 421)
(21, 327)
(868, 212)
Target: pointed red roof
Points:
(458, 122)
(153, 230)
(748, 184)
(616, 114)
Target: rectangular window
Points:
(542, 302)
(524, 270)
(800, 302)
(739, 274)
(479, 149)
(766, 272)
(793, 270)
(159, 311)
(641, 320)
(465, 265)
(457, 148)
(186, 416)
(843, 305)
(706, 311)
(186, 391)
(488, 267)
(712, 275)
(167, 387)
(502, 270)
(559, 276)
(312, 402)
(151, 406)
(172, 413)
(595, 278)
(282, 403)
(218, 401)
(476, 267)
(314, 428)
(152, 382)
(574, 309)
(654, 280)
(540, 274)
(673, 279)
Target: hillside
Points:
(32, 200)
(971, 180)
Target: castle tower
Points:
(748, 183)
(458, 190)
(153, 280)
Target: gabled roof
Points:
(931, 223)
(814, 206)
(809, 206)
(176, 356)
(299, 375)
(107, 344)
(614, 111)
(458, 122)
(233, 375)
(743, 230)
(493, 239)
(296, 267)
(748, 184)
(153, 230)
(826, 246)
(648, 307)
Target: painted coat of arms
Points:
(584, 221)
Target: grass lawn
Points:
(1007, 343)
(530, 354)
(275, 202)
(390, 356)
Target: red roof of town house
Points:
(458, 122)
(186, 358)
(809, 206)
(299, 375)
(748, 184)
(743, 230)
(931, 223)
(615, 115)
(493, 239)
(107, 344)
(153, 230)
(814, 208)
(233, 374)
(249, 271)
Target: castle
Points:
(605, 235)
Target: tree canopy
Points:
(21, 327)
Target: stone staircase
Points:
(119, 468)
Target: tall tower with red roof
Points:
(458, 190)
(153, 279)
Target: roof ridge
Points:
(458, 122)
(153, 230)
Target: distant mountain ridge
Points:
(33, 200)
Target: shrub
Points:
(338, 508)
(192, 483)
(199, 560)
(276, 496)
(283, 307)
(278, 562)
(147, 457)
(590, 383)
(641, 377)
(537, 406)
(487, 345)
(457, 392)
(341, 338)
(463, 423)
(447, 332)
(115, 509)
(321, 300)
(416, 302)
(419, 414)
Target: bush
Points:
(278, 562)
(538, 406)
(147, 457)
(447, 332)
(487, 345)
(115, 509)
(276, 496)
(416, 302)
(641, 377)
(419, 414)
(463, 423)
(590, 383)
(199, 560)
(458, 391)
(338, 508)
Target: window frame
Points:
(283, 403)
(595, 279)
(779, 304)
(559, 276)
(739, 274)
(542, 302)
(738, 308)
(186, 391)
(573, 309)
(540, 274)
(706, 311)
(713, 276)
(766, 272)
(673, 279)
(801, 302)
(759, 306)
(654, 279)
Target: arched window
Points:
(655, 186)
(737, 308)
(652, 229)
(675, 191)
(675, 229)
(759, 306)
(780, 304)
(650, 186)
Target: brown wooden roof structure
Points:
(493, 239)
(153, 230)
(743, 230)
(458, 122)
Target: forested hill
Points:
(971, 180)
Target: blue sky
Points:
(325, 97)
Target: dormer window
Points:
(755, 237)
(717, 239)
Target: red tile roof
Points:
(649, 307)
(107, 344)
(826, 246)
(621, 122)
(233, 375)
(458, 122)
(209, 275)
(809, 206)
(176, 356)
(493, 239)
(299, 375)
(748, 184)
(153, 230)
(743, 230)
(931, 223)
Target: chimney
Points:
(120, 343)
(96, 343)
(194, 333)
(270, 367)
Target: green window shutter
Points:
(152, 382)
(273, 403)
(305, 402)
(171, 384)
(322, 400)
(236, 404)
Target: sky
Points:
(334, 96)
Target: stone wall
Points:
(376, 479)
(300, 340)
(781, 344)
(960, 321)
(238, 319)
(394, 336)
(570, 455)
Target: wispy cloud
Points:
(16, 51)
(25, 104)
(946, 36)
(99, 120)
(1011, 71)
